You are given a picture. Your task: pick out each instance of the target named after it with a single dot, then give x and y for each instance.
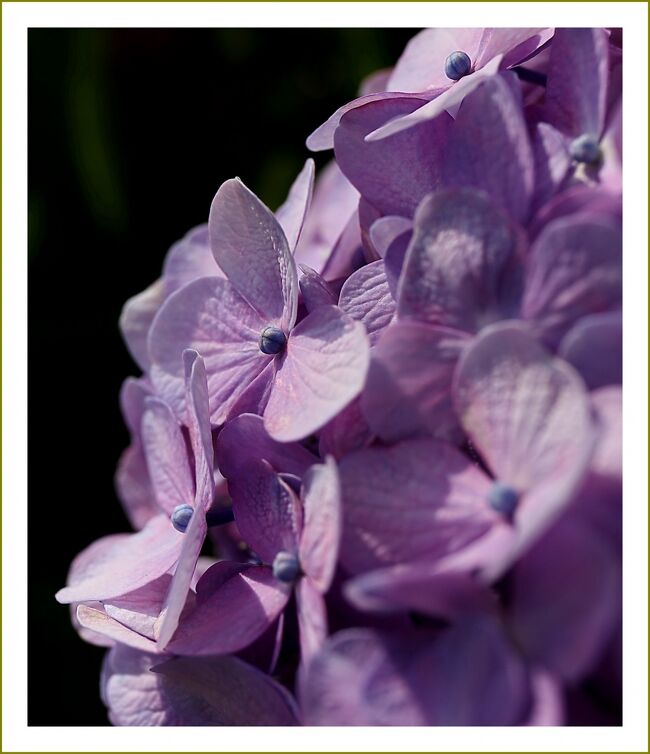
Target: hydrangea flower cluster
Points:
(375, 459)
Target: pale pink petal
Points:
(385, 231)
(136, 318)
(319, 543)
(101, 623)
(514, 44)
(167, 456)
(232, 611)
(408, 390)
(312, 619)
(139, 610)
(119, 564)
(133, 487)
(291, 214)
(252, 250)
(209, 316)
(323, 369)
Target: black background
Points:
(131, 132)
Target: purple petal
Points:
(566, 599)
(467, 675)
(448, 100)
(365, 296)
(231, 611)
(552, 162)
(323, 370)
(514, 44)
(456, 268)
(408, 390)
(347, 253)
(392, 175)
(119, 564)
(576, 88)
(291, 214)
(132, 402)
(446, 510)
(346, 432)
(139, 610)
(167, 456)
(574, 269)
(183, 691)
(209, 316)
(312, 619)
(323, 137)
(319, 542)
(267, 512)
(136, 318)
(315, 291)
(488, 148)
(528, 416)
(547, 704)
(251, 249)
(594, 346)
(578, 198)
(420, 587)
(245, 438)
(422, 64)
(198, 422)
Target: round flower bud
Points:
(286, 567)
(181, 516)
(503, 499)
(272, 341)
(586, 149)
(457, 65)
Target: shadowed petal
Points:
(455, 270)
(418, 500)
(166, 456)
(267, 512)
(387, 230)
(594, 346)
(466, 675)
(408, 390)
(566, 598)
(245, 438)
(291, 214)
(324, 369)
(319, 542)
(488, 147)
(209, 316)
(231, 612)
(133, 487)
(392, 175)
(514, 44)
(315, 291)
(119, 564)
(252, 250)
(552, 162)
(576, 88)
(366, 297)
(139, 610)
(574, 269)
(347, 431)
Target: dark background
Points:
(131, 132)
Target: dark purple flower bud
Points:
(457, 65)
(503, 499)
(272, 341)
(286, 567)
(181, 516)
(586, 149)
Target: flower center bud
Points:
(457, 65)
(286, 567)
(181, 516)
(272, 341)
(503, 499)
(586, 149)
